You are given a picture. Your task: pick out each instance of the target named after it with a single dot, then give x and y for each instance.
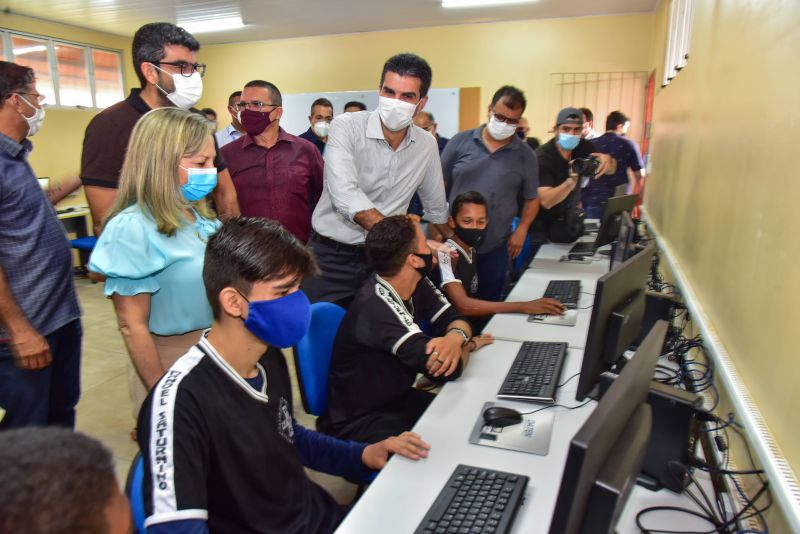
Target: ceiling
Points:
(280, 19)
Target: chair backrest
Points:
(519, 262)
(134, 487)
(312, 356)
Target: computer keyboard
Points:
(566, 292)
(475, 500)
(535, 372)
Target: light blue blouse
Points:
(136, 258)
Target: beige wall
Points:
(57, 146)
(723, 186)
(521, 53)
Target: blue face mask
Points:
(567, 141)
(280, 322)
(200, 183)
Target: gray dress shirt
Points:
(363, 172)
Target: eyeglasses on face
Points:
(255, 105)
(187, 69)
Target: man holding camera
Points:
(563, 161)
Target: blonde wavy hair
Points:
(149, 177)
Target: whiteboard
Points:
(443, 103)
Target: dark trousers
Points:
(344, 270)
(46, 396)
(385, 423)
(492, 272)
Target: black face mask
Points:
(471, 236)
(428, 267)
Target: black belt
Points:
(356, 249)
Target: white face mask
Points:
(34, 122)
(395, 114)
(500, 131)
(187, 90)
(321, 128)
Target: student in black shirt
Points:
(469, 219)
(380, 347)
(222, 450)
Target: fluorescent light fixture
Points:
(482, 3)
(212, 24)
(29, 49)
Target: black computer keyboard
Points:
(535, 372)
(566, 292)
(475, 500)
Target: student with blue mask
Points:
(223, 452)
(153, 241)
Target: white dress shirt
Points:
(227, 135)
(363, 172)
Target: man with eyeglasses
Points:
(277, 175)
(164, 58)
(234, 130)
(374, 162)
(494, 161)
(40, 327)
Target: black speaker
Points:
(673, 422)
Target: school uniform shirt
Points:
(137, 258)
(223, 454)
(380, 348)
(464, 271)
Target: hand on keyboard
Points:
(544, 306)
(407, 444)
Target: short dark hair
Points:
(232, 96)
(355, 104)
(389, 242)
(614, 119)
(321, 102)
(511, 97)
(274, 92)
(429, 115)
(588, 116)
(13, 78)
(209, 111)
(150, 40)
(469, 197)
(54, 481)
(246, 250)
(407, 64)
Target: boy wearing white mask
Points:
(40, 328)
(320, 120)
(496, 163)
(165, 61)
(374, 162)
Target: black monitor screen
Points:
(609, 225)
(594, 451)
(624, 286)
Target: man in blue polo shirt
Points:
(493, 161)
(40, 328)
(597, 192)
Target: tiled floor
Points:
(104, 410)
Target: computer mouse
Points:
(498, 416)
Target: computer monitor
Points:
(607, 453)
(624, 245)
(609, 224)
(619, 303)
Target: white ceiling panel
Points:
(280, 19)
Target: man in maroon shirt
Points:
(276, 175)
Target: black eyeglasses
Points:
(254, 105)
(187, 69)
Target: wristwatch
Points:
(462, 333)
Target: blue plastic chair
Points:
(134, 490)
(519, 262)
(312, 356)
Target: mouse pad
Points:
(531, 435)
(569, 318)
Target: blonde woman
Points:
(153, 241)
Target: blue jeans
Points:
(492, 272)
(46, 396)
(594, 212)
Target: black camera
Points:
(585, 166)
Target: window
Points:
(68, 74)
(679, 36)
